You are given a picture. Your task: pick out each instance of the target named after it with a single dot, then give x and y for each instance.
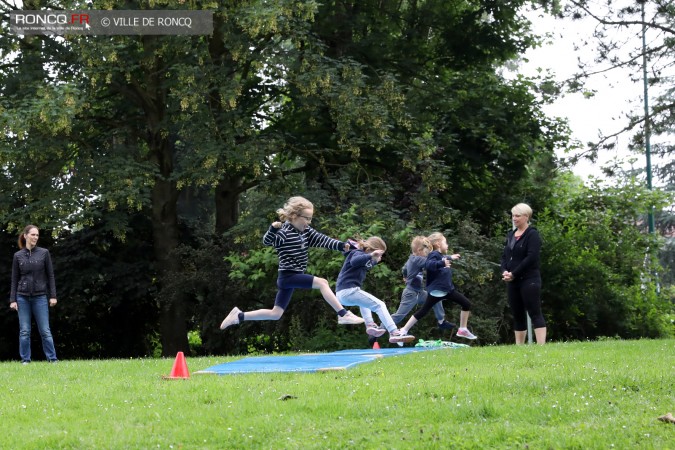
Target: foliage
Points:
(392, 117)
(619, 44)
(597, 263)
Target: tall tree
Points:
(618, 43)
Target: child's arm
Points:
(273, 235)
(316, 239)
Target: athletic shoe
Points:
(465, 333)
(231, 319)
(397, 336)
(374, 330)
(350, 319)
(445, 325)
(371, 341)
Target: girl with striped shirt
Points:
(292, 240)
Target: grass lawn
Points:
(583, 395)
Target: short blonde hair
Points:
(435, 239)
(522, 209)
(293, 207)
(373, 243)
(420, 243)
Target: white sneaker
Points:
(397, 336)
(231, 319)
(465, 333)
(350, 319)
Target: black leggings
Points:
(454, 296)
(525, 298)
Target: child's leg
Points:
(367, 303)
(409, 324)
(439, 312)
(423, 311)
(344, 297)
(464, 318)
(367, 316)
(264, 314)
(327, 292)
(409, 298)
(345, 317)
(464, 302)
(283, 298)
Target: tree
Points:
(596, 262)
(618, 40)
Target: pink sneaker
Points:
(374, 330)
(466, 334)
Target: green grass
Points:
(561, 396)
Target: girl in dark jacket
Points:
(520, 270)
(32, 282)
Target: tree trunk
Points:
(172, 321)
(227, 203)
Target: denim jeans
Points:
(367, 303)
(38, 307)
(409, 299)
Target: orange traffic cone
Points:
(180, 368)
(376, 346)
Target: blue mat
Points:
(316, 362)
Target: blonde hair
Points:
(436, 239)
(373, 243)
(420, 243)
(293, 207)
(522, 209)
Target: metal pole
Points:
(647, 126)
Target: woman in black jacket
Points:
(520, 269)
(32, 281)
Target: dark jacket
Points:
(521, 256)
(439, 277)
(354, 270)
(32, 274)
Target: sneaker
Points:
(374, 330)
(350, 319)
(465, 333)
(371, 341)
(397, 336)
(445, 325)
(231, 319)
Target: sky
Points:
(615, 94)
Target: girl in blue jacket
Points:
(440, 287)
(358, 262)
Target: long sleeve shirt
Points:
(292, 245)
(354, 270)
(32, 274)
(521, 256)
(439, 277)
(413, 272)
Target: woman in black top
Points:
(32, 282)
(520, 269)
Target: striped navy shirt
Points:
(292, 246)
